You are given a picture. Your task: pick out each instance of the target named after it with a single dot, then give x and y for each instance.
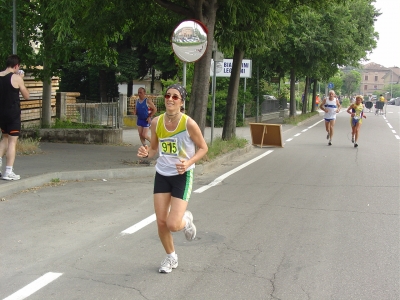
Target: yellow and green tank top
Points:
(173, 146)
(358, 110)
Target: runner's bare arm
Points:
(198, 139)
(22, 88)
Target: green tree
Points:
(27, 35)
(337, 81)
(351, 82)
(341, 34)
(392, 89)
(245, 26)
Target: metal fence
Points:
(269, 106)
(95, 113)
(157, 100)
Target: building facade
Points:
(376, 79)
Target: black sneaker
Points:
(352, 139)
(355, 145)
(327, 136)
(329, 144)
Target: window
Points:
(376, 78)
(365, 87)
(375, 87)
(366, 77)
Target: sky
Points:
(387, 52)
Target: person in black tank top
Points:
(11, 84)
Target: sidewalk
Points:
(61, 161)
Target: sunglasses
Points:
(174, 97)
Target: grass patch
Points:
(28, 146)
(68, 124)
(220, 147)
(299, 118)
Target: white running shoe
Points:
(11, 176)
(190, 229)
(168, 264)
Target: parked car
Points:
(269, 97)
(392, 101)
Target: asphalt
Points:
(62, 161)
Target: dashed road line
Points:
(139, 225)
(34, 286)
(222, 177)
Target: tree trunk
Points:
(229, 130)
(314, 94)
(292, 92)
(205, 11)
(201, 85)
(201, 79)
(46, 102)
(305, 103)
(153, 78)
(47, 65)
(130, 88)
(103, 85)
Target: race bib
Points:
(169, 147)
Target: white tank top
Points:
(173, 146)
(331, 107)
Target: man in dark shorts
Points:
(11, 84)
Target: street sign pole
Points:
(14, 27)
(214, 81)
(217, 57)
(184, 80)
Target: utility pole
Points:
(14, 27)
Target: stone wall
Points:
(80, 136)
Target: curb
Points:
(136, 172)
(31, 182)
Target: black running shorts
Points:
(180, 186)
(11, 126)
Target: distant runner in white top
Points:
(331, 107)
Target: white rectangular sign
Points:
(224, 68)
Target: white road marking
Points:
(216, 181)
(397, 137)
(394, 131)
(139, 225)
(34, 286)
(222, 177)
(304, 130)
(152, 218)
(297, 134)
(316, 124)
(390, 126)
